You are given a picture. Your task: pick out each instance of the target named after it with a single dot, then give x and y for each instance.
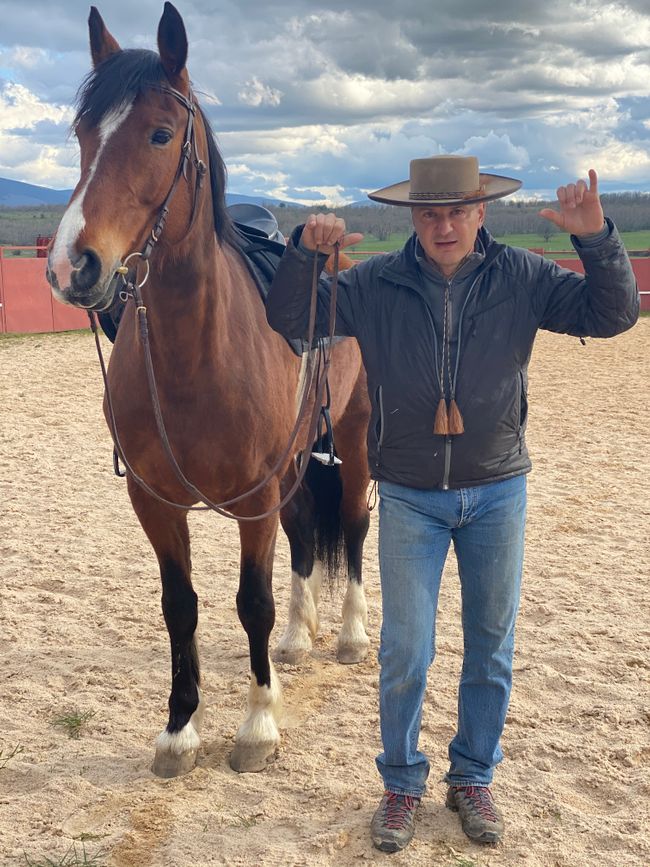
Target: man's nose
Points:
(444, 226)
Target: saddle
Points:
(261, 244)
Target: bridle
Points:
(318, 360)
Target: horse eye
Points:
(161, 137)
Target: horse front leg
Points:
(257, 738)
(167, 530)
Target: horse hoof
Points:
(290, 656)
(252, 758)
(167, 764)
(351, 654)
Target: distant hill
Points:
(16, 194)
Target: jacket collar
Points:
(404, 265)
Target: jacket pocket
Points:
(522, 388)
(380, 425)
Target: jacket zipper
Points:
(445, 477)
(447, 464)
(452, 385)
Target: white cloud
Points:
(19, 107)
(324, 99)
(255, 93)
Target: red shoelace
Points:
(481, 799)
(398, 809)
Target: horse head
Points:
(140, 136)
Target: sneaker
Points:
(480, 817)
(393, 824)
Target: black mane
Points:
(119, 80)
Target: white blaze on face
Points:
(63, 259)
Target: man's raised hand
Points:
(580, 210)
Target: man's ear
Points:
(481, 213)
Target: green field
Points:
(634, 241)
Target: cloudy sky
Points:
(313, 100)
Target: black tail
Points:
(324, 483)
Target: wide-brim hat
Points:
(446, 180)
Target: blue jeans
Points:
(486, 524)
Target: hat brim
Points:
(493, 186)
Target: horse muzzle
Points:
(83, 282)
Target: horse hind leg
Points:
(353, 641)
(258, 737)
(167, 530)
(298, 522)
(350, 437)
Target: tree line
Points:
(630, 212)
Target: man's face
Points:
(447, 232)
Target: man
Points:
(446, 328)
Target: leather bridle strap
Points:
(189, 145)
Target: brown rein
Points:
(133, 291)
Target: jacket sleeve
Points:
(288, 301)
(601, 303)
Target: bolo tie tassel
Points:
(456, 425)
(447, 421)
(441, 421)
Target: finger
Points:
(351, 239)
(561, 196)
(334, 230)
(322, 228)
(593, 182)
(581, 189)
(552, 216)
(307, 238)
(570, 196)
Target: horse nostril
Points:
(87, 272)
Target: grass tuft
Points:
(72, 858)
(73, 722)
(5, 758)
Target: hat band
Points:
(458, 194)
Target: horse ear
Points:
(102, 44)
(172, 43)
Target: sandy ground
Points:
(81, 631)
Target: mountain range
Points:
(16, 194)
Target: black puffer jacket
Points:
(511, 293)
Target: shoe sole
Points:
(390, 845)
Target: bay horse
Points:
(227, 383)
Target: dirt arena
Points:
(81, 632)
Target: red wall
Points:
(27, 301)
(28, 304)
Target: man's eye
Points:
(161, 137)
